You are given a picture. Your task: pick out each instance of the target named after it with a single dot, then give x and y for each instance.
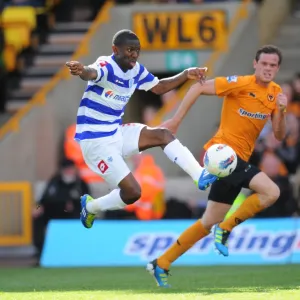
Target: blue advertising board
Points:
(134, 243)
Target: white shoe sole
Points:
(150, 269)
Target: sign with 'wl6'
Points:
(181, 30)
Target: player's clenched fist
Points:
(281, 102)
(75, 67)
(197, 74)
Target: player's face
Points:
(266, 67)
(128, 54)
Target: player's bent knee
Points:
(273, 194)
(131, 195)
(267, 190)
(270, 196)
(164, 136)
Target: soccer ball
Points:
(220, 160)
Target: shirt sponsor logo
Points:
(111, 95)
(257, 115)
(232, 78)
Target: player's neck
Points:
(120, 65)
(261, 83)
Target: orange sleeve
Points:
(226, 85)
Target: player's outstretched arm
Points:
(207, 88)
(78, 69)
(278, 117)
(167, 84)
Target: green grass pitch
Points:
(205, 283)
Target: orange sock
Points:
(250, 207)
(186, 240)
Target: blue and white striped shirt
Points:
(104, 100)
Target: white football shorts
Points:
(105, 156)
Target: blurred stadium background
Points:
(42, 172)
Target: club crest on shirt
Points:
(270, 97)
(102, 63)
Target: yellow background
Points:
(190, 21)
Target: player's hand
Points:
(76, 68)
(171, 125)
(197, 74)
(281, 101)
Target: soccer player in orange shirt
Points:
(249, 101)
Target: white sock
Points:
(111, 201)
(182, 156)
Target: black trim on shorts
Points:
(225, 190)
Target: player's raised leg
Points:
(177, 153)
(267, 192)
(159, 268)
(109, 163)
(112, 167)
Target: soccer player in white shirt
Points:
(105, 142)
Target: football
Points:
(220, 160)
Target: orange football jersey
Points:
(246, 108)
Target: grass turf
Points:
(207, 283)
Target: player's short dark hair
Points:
(269, 49)
(123, 36)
